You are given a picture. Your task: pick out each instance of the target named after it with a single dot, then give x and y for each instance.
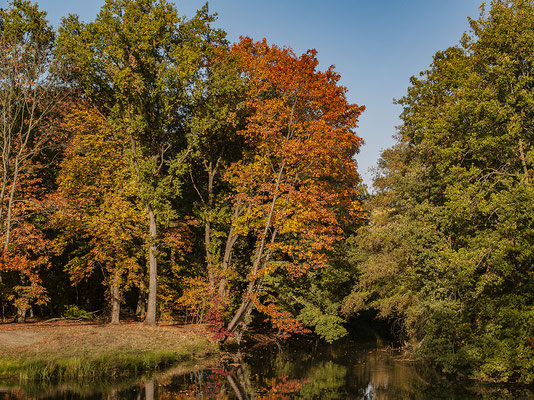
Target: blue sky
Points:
(376, 45)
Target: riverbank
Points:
(88, 351)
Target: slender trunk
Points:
(523, 161)
(228, 248)
(246, 305)
(207, 226)
(152, 248)
(140, 310)
(153, 271)
(245, 308)
(209, 255)
(10, 205)
(22, 311)
(115, 302)
(4, 184)
(240, 316)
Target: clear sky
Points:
(376, 45)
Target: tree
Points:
(449, 247)
(99, 216)
(294, 188)
(138, 61)
(29, 95)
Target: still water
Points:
(311, 370)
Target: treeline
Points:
(149, 164)
(449, 249)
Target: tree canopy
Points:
(150, 169)
(448, 250)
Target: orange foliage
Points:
(27, 256)
(297, 184)
(280, 319)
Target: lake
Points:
(346, 369)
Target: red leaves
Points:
(27, 256)
(280, 319)
(301, 129)
(298, 179)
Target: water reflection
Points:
(344, 370)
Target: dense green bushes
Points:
(449, 249)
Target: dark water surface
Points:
(313, 370)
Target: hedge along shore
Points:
(89, 351)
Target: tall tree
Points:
(449, 249)
(29, 93)
(99, 215)
(295, 186)
(137, 61)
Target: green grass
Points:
(110, 365)
(89, 354)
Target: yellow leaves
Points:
(97, 198)
(196, 296)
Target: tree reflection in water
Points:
(343, 370)
(339, 371)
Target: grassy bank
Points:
(61, 352)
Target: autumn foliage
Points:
(184, 166)
(296, 184)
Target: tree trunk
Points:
(153, 271)
(245, 308)
(237, 325)
(207, 227)
(10, 206)
(140, 310)
(115, 303)
(230, 242)
(21, 315)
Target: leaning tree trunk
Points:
(153, 271)
(237, 324)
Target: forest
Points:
(153, 171)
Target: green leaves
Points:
(449, 242)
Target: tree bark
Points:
(21, 315)
(153, 270)
(230, 242)
(115, 303)
(246, 305)
(10, 206)
(140, 310)
(207, 226)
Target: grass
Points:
(90, 352)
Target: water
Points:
(311, 370)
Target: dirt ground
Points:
(74, 339)
(19, 338)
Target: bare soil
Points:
(64, 339)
